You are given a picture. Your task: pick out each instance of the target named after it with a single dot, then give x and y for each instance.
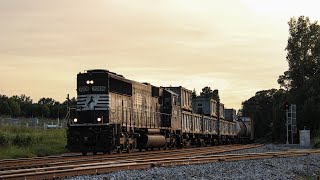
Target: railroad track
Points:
(107, 163)
(24, 163)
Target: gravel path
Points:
(275, 168)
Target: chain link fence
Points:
(43, 123)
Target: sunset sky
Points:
(236, 46)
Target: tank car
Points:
(245, 129)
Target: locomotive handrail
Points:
(67, 117)
(141, 117)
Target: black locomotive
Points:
(117, 114)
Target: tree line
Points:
(207, 92)
(299, 85)
(22, 106)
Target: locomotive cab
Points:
(93, 97)
(90, 130)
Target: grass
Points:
(20, 142)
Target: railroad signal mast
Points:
(291, 118)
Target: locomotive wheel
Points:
(120, 150)
(140, 149)
(84, 153)
(212, 142)
(165, 147)
(95, 152)
(202, 143)
(107, 152)
(129, 148)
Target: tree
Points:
(47, 101)
(25, 103)
(303, 53)
(266, 110)
(307, 99)
(55, 110)
(301, 82)
(4, 107)
(22, 106)
(208, 93)
(45, 111)
(194, 94)
(303, 76)
(14, 107)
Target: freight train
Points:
(117, 114)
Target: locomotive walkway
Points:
(62, 166)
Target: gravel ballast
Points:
(274, 168)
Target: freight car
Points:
(118, 114)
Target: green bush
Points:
(317, 141)
(22, 140)
(3, 140)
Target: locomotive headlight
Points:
(91, 82)
(75, 120)
(99, 119)
(88, 82)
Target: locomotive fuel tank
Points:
(151, 141)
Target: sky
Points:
(236, 46)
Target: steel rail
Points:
(46, 162)
(98, 168)
(142, 157)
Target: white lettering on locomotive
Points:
(83, 89)
(99, 88)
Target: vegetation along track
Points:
(79, 165)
